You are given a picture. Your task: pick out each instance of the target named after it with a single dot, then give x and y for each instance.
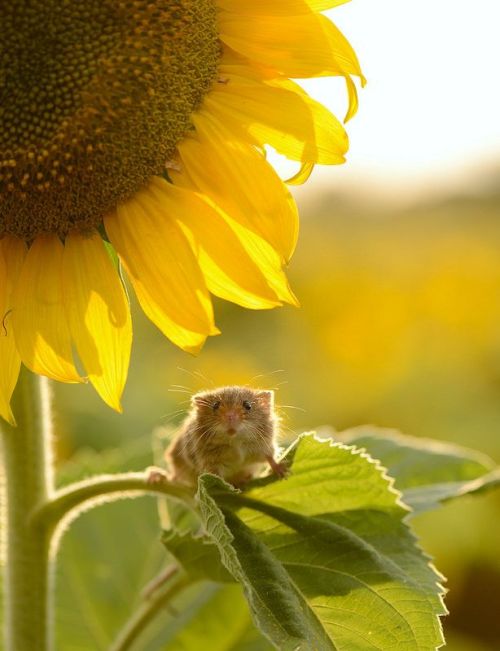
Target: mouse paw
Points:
(279, 468)
(239, 480)
(155, 475)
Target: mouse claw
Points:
(279, 468)
(155, 475)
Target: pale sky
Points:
(431, 110)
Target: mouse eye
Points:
(247, 405)
(216, 405)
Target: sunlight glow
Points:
(429, 115)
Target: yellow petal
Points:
(38, 316)
(352, 93)
(316, 5)
(302, 175)
(258, 249)
(233, 61)
(278, 7)
(163, 270)
(229, 271)
(267, 258)
(12, 253)
(306, 131)
(98, 314)
(297, 46)
(239, 180)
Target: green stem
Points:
(69, 502)
(146, 612)
(27, 478)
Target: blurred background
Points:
(398, 274)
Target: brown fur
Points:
(222, 436)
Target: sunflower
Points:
(132, 136)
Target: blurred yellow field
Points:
(398, 326)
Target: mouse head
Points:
(231, 411)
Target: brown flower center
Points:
(94, 97)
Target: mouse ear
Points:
(201, 399)
(266, 398)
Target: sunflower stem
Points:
(70, 501)
(27, 469)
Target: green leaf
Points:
(108, 555)
(197, 555)
(99, 581)
(427, 472)
(221, 623)
(325, 557)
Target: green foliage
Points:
(111, 553)
(222, 622)
(106, 557)
(198, 556)
(324, 559)
(427, 472)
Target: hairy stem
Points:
(27, 477)
(73, 499)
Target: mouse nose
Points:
(232, 417)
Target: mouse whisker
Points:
(263, 375)
(167, 418)
(176, 390)
(197, 375)
(288, 430)
(290, 407)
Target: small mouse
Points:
(230, 432)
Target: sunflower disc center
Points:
(94, 97)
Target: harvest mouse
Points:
(230, 432)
